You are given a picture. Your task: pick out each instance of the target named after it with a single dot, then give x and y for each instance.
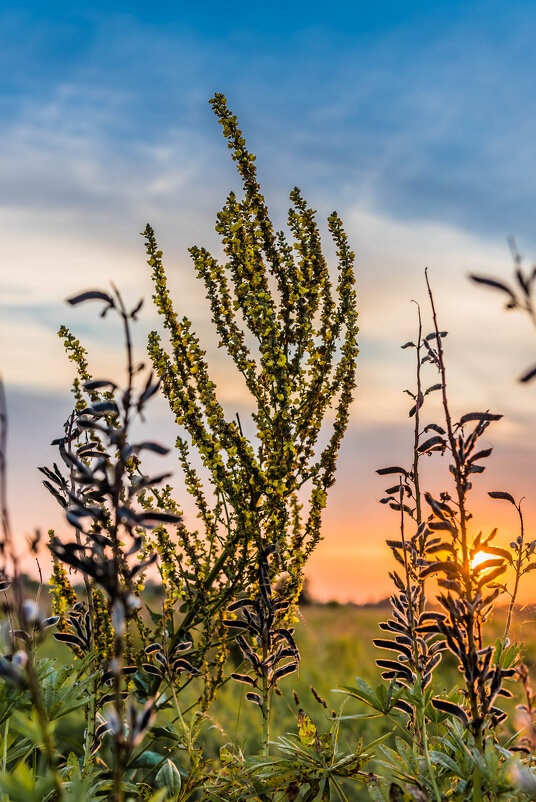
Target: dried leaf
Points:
(478, 416)
(393, 469)
(90, 295)
(502, 495)
(491, 282)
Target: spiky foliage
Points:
(293, 341)
(470, 588)
(519, 294)
(264, 642)
(437, 543)
(411, 620)
(412, 626)
(102, 488)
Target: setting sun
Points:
(479, 558)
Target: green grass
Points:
(336, 646)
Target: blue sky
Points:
(425, 109)
(416, 120)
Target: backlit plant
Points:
(468, 568)
(293, 342)
(129, 706)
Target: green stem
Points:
(477, 784)
(4, 758)
(5, 797)
(90, 729)
(48, 746)
(265, 710)
(187, 730)
(177, 706)
(339, 790)
(519, 563)
(429, 767)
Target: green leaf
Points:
(169, 777)
(20, 785)
(307, 731)
(72, 767)
(156, 618)
(364, 692)
(447, 762)
(29, 726)
(165, 732)
(146, 760)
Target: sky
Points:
(415, 120)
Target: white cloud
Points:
(76, 195)
(486, 348)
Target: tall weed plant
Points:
(129, 715)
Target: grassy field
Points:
(336, 646)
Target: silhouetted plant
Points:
(520, 557)
(26, 629)
(471, 588)
(264, 642)
(412, 625)
(446, 732)
(519, 295)
(104, 488)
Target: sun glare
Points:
(480, 557)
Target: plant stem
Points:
(429, 767)
(421, 719)
(177, 706)
(5, 797)
(90, 728)
(477, 785)
(91, 707)
(518, 576)
(120, 470)
(37, 699)
(466, 567)
(265, 704)
(418, 404)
